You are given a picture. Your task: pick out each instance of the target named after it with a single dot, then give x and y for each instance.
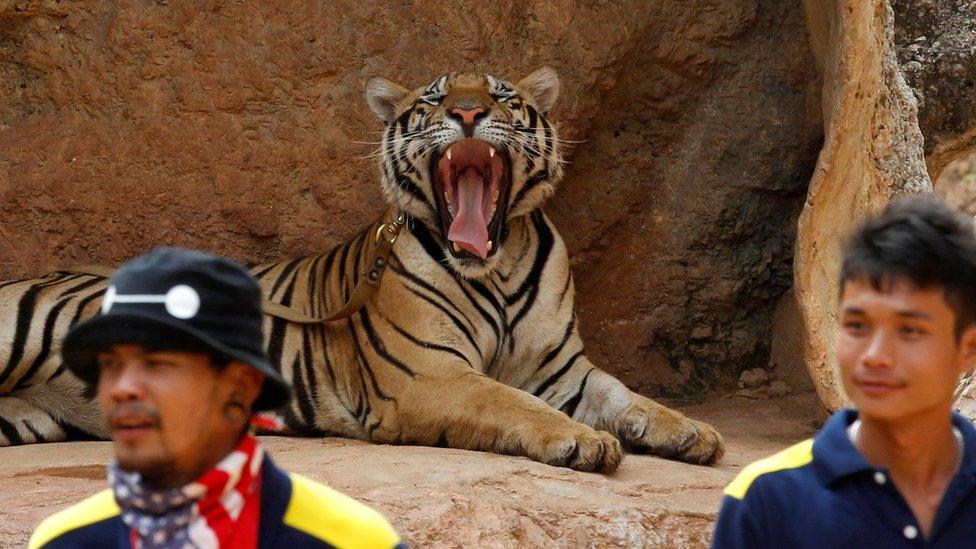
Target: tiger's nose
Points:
(468, 118)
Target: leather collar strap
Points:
(386, 236)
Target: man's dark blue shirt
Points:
(822, 493)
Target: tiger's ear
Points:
(543, 87)
(384, 96)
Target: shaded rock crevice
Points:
(712, 156)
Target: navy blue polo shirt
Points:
(822, 493)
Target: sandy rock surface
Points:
(873, 151)
(455, 498)
(238, 127)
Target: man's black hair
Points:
(220, 361)
(921, 240)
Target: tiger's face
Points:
(467, 154)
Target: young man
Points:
(899, 470)
(178, 360)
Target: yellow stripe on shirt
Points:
(793, 457)
(335, 518)
(97, 508)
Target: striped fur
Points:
(454, 352)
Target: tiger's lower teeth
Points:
(457, 249)
(490, 245)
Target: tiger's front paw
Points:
(648, 427)
(579, 447)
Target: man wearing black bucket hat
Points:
(178, 363)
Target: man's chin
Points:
(146, 463)
(889, 409)
(879, 403)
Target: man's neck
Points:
(921, 454)
(919, 449)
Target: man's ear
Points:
(384, 96)
(247, 382)
(967, 349)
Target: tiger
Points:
(470, 340)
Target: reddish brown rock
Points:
(238, 128)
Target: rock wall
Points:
(238, 128)
(934, 40)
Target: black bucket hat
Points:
(181, 300)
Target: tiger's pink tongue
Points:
(469, 230)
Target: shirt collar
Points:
(968, 466)
(835, 456)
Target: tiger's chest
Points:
(493, 321)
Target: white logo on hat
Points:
(181, 300)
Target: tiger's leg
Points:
(593, 397)
(61, 408)
(24, 423)
(554, 368)
(470, 411)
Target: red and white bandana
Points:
(220, 509)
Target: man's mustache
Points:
(129, 413)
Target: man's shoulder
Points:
(788, 462)
(95, 509)
(335, 518)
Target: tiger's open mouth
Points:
(471, 184)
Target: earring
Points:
(235, 411)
